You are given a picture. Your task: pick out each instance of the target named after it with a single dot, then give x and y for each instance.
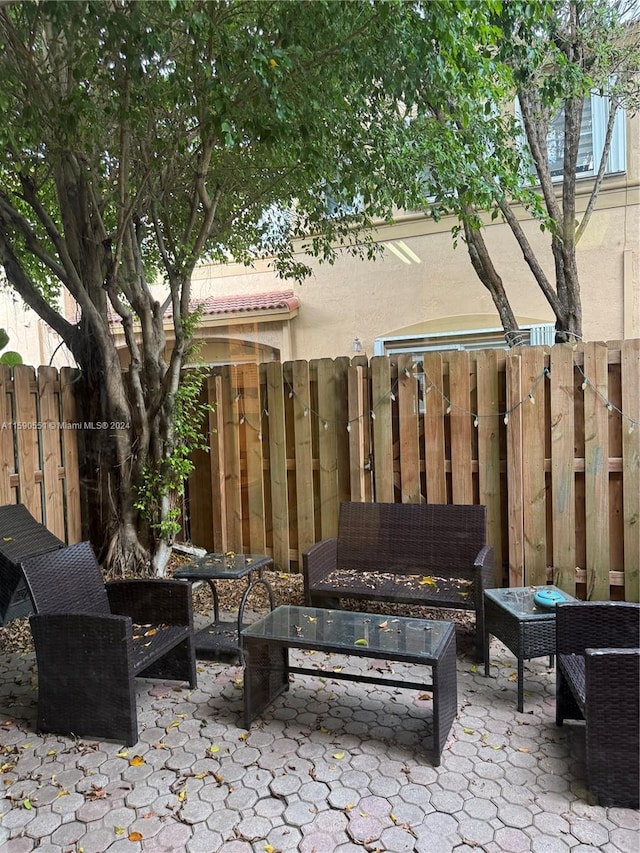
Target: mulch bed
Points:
(287, 589)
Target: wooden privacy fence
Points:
(547, 438)
(38, 448)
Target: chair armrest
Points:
(582, 625)
(483, 567)
(612, 682)
(157, 601)
(318, 561)
(74, 643)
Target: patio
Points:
(331, 766)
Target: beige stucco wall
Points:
(370, 299)
(30, 336)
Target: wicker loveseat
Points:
(598, 681)
(434, 555)
(92, 639)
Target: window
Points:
(534, 334)
(595, 116)
(274, 227)
(337, 207)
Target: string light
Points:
(430, 387)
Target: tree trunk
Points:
(488, 275)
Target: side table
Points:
(221, 637)
(526, 629)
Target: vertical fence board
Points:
(232, 469)
(7, 461)
(341, 367)
(461, 419)
(630, 357)
(596, 470)
(563, 488)
(489, 452)
(381, 384)
(303, 455)
(358, 423)
(434, 416)
(327, 449)
(69, 410)
(514, 471)
(27, 439)
(49, 433)
(217, 462)
(253, 439)
(533, 459)
(278, 465)
(409, 432)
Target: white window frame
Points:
(532, 334)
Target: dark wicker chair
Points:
(383, 551)
(21, 536)
(598, 681)
(92, 639)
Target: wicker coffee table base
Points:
(267, 671)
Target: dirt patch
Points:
(287, 589)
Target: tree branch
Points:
(593, 197)
(30, 294)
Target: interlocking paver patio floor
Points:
(331, 766)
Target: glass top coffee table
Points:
(220, 638)
(526, 629)
(265, 647)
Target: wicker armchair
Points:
(92, 639)
(598, 681)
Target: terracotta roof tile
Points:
(242, 303)
(249, 302)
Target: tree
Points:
(551, 56)
(139, 138)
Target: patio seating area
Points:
(330, 766)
